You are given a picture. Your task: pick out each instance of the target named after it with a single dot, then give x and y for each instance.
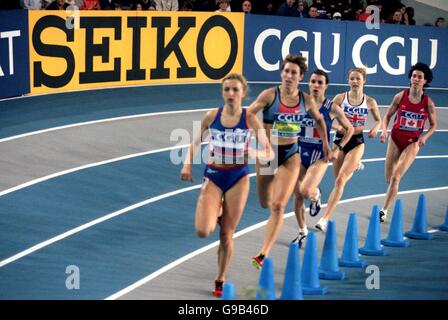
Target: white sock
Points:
(384, 210)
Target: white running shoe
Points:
(322, 224)
(315, 205)
(383, 215)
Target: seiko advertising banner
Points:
(14, 54)
(336, 46)
(85, 49)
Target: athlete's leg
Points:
(283, 186)
(349, 166)
(313, 178)
(207, 208)
(234, 202)
(264, 180)
(404, 162)
(337, 163)
(299, 207)
(392, 156)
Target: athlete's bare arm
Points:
(373, 107)
(264, 99)
(389, 114)
(339, 115)
(432, 117)
(187, 170)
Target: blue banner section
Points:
(14, 53)
(336, 46)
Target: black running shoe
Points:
(315, 205)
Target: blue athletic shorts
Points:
(225, 178)
(309, 155)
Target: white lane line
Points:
(90, 165)
(133, 155)
(112, 215)
(79, 124)
(92, 223)
(135, 116)
(239, 234)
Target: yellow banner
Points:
(75, 50)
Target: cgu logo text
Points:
(383, 48)
(108, 48)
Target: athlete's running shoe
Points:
(257, 261)
(383, 215)
(299, 239)
(322, 224)
(217, 292)
(315, 205)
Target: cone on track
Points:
(350, 252)
(444, 227)
(310, 268)
(329, 269)
(266, 286)
(419, 229)
(292, 284)
(372, 246)
(395, 237)
(228, 291)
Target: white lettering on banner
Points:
(383, 58)
(290, 38)
(356, 52)
(258, 49)
(9, 35)
(286, 47)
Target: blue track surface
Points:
(120, 251)
(20, 116)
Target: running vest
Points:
(410, 119)
(309, 135)
(357, 115)
(285, 120)
(229, 145)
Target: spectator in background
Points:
(167, 5)
(57, 5)
(397, 18)
(287, 9)
(224, 6)
(91, 5)
(337, 16)
(312, 12)
(321, 8)
(302, 9)
(247, 7)
(31, 4)
(440, 22)
(409, 16)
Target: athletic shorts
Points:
(354, 141)
(401, 140)
(310, 154)
(225, 178)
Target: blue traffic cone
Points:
(266, 286)
(228, 291)
(372, 246)
(419, 229)
(395, 237)
(329, 269)
(310, 269)
(350, 252)
(444, 227)
(292, 284)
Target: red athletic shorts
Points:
(401, 140)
